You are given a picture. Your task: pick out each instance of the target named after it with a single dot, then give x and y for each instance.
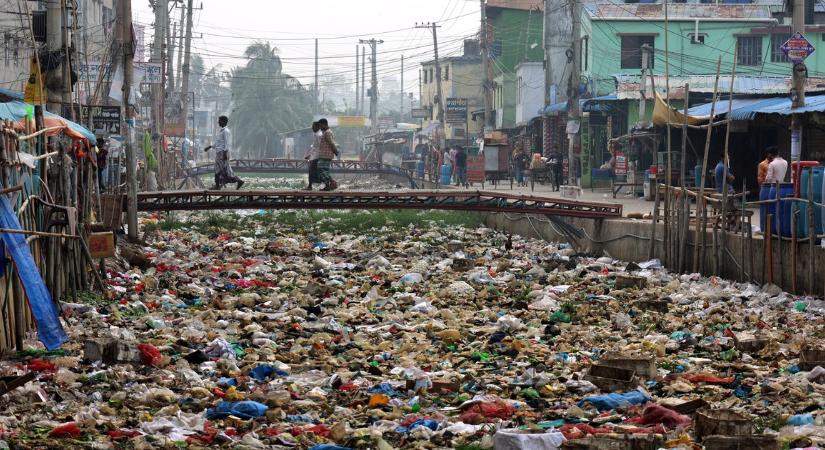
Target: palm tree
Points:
(267, 102)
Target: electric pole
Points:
(374, 83)
(646, 52)
(128, 53)
(54, 27)
(170, 52)
(434, 27)
(573, 91)
(357, 83)
(317, 106)
(800, 73)
(180, 45)
(184, 93)
(363, 78)
(157, 56)
(402, 88)
(488, 70)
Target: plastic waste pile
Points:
(430, 336)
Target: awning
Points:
(740, 109)
(595, 104)
(628, 87)
(16, 111)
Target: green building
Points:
(515, 29)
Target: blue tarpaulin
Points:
(16, 111)
(49, 329)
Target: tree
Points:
(267, 102)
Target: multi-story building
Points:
(514, 33)
(461, 78)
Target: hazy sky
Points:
(223, 29)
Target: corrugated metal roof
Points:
(703, 111)
(586, 104)
(526, 5)
(628, 85)
(779, 105)
(678, 11)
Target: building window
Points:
(431, 75)
(425, 76)
(585, 51)
(447, 73)
(777, 55)
(749, 50)
(632, 51)
(518, 89)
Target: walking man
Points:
(461, 166)
(223, 145)
(327, 150)
(312, 154)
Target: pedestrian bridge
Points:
(448, 199)
(339, 166)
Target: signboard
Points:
(797, 48)
(105, 119)
(34, 92)
(475, 168)
(352, 121)
(420, 113)
(144, 72)
(386, 122)
(455, 110)
(621, 163)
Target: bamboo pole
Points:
(769, 247)
(793, 251)
(726, 159)
(652, 251)
(684, 223)
(742, 237)
(700, 201)
(668, 260)
(778, 218)
(811, 232)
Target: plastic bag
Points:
(514, 439)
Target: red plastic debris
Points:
(41, 365)
(319, 430)
(657, 414)
(68, 430)
(149, 354)
(705, 378)
(116, 434)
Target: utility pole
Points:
(180, 44)
(317, 106)
(128, 54)
(363, 78)
(573, 90)
(402, 88)
(357, 83)
(487, 87)
(800, 74)
(434, 27)
(646, 51)
(374, 82)
(54, 25)
(161, 21)
(170, 52)
(184, 92)
(66, 66)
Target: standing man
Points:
(762, 169)
(461, 166)
(327, 150)
(102, 156)
(777, 168)
(719, 175)
(223, 145)
(556, 166)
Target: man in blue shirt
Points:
(719, 175)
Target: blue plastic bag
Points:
(244, 410)
(429, 423)
(49, 329)
(384, 388)
(613, 400)
(329, 447)
(798, 420)
(264, 371)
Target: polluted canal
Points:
(390, 330)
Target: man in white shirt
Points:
(777, 168)
(223, 145)
(312, 155)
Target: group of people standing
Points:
(456, 157)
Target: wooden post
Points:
(742, 238)
(793, 251)
(769, 247)
(779, 238)
(701, 200)
(684, 211)
(811, 233)
(726, 158)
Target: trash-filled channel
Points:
(391, 330)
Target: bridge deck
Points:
(456, 200)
